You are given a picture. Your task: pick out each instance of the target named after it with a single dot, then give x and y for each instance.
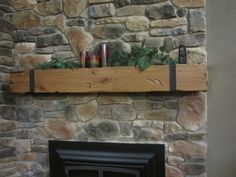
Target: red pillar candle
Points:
(93, 61)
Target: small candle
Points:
(83, 58)
(93, 61)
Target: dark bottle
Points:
(103, 54)
(182, 54)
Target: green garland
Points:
(139, 56)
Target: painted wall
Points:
(222, 87)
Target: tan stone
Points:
(137, 23)
(24, 166)
(25, 47)
(26, 20)
(188, 148)
(173, 172)
(79, 39)
(131, 10)
(27, 157)
(49, 21)
(7, 126)
(34, 60)
(58, 129)
(52, 7)
(99, 1)
(87, 111)
(171, 127)
(5, 165)
(174, 160)
(164, 114)
(110, 20)
(192, 111)
(73, 8)
(81, 98)
(168, 23)
(23, 4)
(61, 22)
(188, 3)
(22, 145)
(108, 31)
(194, 55)
(114, 99)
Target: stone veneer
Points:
(33, 31)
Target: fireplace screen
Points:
(85, 159)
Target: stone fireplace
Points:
(33, 31)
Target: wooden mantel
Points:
(182, 77)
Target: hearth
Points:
(90, 159)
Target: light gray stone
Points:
(137, 23)
(123, 112)
(73, 8)
(131, 10)
(154, 42)
(169, 31)
(147, 134)
(197, 20)
(102, 10)
(163, 11)
(103, 130)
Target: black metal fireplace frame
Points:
(147, 159)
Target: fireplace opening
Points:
(90, 159)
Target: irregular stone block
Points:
(7, 61)
(41, 31)
(23, 36)
(8, 172)
(73, 8)
(131, 10)
(53, 105)
(108, 31)
(65, 55)
(141, 105)
(6, 26)
(30, 61)
(185, 136)
(145, 1)
(158, 124)
(26, 20)
(24, 166)
(102, 10)
(25, 47)
(77, 22)
(191, 40)
(188, 148)
(125, 128)
(105, 112)
(8, 112)
(171, 127)
(50, 40)
(137, 23)
(188, 3)
(135, 37)
(5, 36)
(110, 20)
(58, 129)
(23, 4)
(6, 9)
(181, 12)
(98, 1)
(142, 123)
(121, 3)
(123, 112)
(7, 126)
(154, 42)
(119, 45)
(103, 130)
(164, 11)
(87, 111)
(29, 114)
(193, 169)
(174, 160)
(163, 114)
(70, 113)
(169, 23)
(192, 111)
(173, 172)
(169, 31)
(6, 44)
(81, 98)
(197, 20)
(147, 134)
(171, 104)
(26, 133)
(49, 21)
(22, 145)
(79, 39)
(108, 99)
(46, 8)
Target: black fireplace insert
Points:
(90, 159)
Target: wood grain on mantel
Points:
(191, 77)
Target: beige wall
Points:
(222, 88)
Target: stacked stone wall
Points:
(34, 31)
